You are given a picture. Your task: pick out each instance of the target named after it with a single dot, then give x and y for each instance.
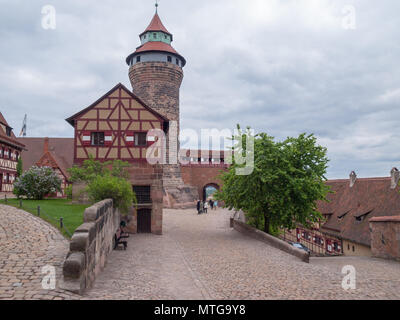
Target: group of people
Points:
(203, 206)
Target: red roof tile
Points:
(12, 140)
(156, 25)
(353, 207)
(62, 150)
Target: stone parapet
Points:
(268, 239)
(90, 246)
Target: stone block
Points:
(74, 265)
(79, 242)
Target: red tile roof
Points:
(61, 149)
(368, 198)
(156, 46)
(156, 25)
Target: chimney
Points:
(46, 145)
(353, 178)
(395, 175)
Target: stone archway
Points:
(209, 188)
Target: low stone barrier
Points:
(268, 239)
(90, 246)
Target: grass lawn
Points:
(52, 210)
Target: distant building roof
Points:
(12, 139)
(61, 149)
(350, 208)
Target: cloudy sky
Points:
(282, 67)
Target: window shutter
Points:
(86, 138)
(130, 139)
(108, 138)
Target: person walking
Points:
(211, 203)
(215, 205)
(198, 206)
(205, 206)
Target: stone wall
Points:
(90, 246)
(238, 225)
(385, 237)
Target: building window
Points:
(144, 37)
(154, 35)
(2, 153)
(138, 59)
(354, 249)
(97, 139)
(8, 178)
(16, 156)
(169, 59)
(177, 62)
(8, 131)
(140, 139)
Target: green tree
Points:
(37, 182)
(110, 187)
(19, 167)
(282, 189)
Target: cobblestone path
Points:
(200, 257)
(27, 244)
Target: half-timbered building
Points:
(116, 127)
(10, 151)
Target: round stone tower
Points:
(155, 70)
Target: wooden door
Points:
(144, 221)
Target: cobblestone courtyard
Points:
(198, 257)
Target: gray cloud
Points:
(283, 67)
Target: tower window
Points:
(138, 59)
(97, 138)
(169, 59)
(177, 62)
(154, 35)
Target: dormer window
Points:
(8, 131)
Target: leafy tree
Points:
(88, 171)
(37, 182)
(283, 186)
(19, 167)
(106, 180)
(110, 187)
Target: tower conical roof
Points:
(156, 25)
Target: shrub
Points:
(37, 182)
(68, 191)
(110, 187)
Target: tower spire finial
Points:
(156, 6)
